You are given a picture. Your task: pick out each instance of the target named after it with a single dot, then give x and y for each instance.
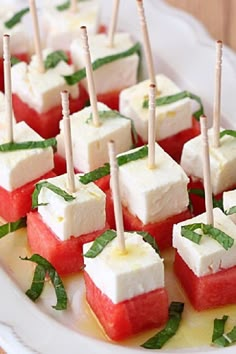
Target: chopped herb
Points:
(12, 226)
(228, 132)
(28, 145)
(45, 268)
(45, 184)
(231, 210)
(100, 243)
(188, 231)
(159, 339)
(14, 61)
(219, 327)
(161, 101)
(121, 160)
(217, 203)
(65, 5)
(149, 239)
(81, 74)
(54, 58)
(14, 20)
(226, 339)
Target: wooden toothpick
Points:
(146, 43)
(113, 23)
(206, 171)
(116, 195)
(37, 41)
(67, 142)
(73, 6)
(151, 126)
(7, 85)
(217, 98)
(90, 78)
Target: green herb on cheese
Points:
(66, 5)
(100, 243)
(55, 58)
(28, 145)
(16, 18)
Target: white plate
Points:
(184, 51)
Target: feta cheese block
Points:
(209, 256)
(84, 214)
(113, 76)
(22, 166)
(170, 118)
(90, 142)
(222, 161)
(41, 91)
(153, 194)
(60, 36)
(229, 201)
(124, 276)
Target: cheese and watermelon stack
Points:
(115, 62)
(24, 156)
(174, 122)
(125, 285)
(37, 87)
(205, 261)
(69, 214)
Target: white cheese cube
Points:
(209, 256)
(84, 214)
(90, 142)
(229, 201)
(23, 166)
(3, 120)
(124, 276)
(170, 118)
(154, 194)
(113, 76)
(60, 28)
(41, 91)
(222, 161)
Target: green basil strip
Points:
(217, 203)
(28, 145)
(100, 243)
(219, 327)
(55, 58)
(14, 20)
(221, 237)
(226, 339)
(149, 239)
(115, 114)
(231, 210)
(12, 226)
(45, 184)
(187, 231)
(44, 267)
(228, 132)
(161, 101)
(105, 169)
(14, 61)
(81, 74)
(159, 339)
(66, 5)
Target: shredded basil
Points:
(188, 231)
(228, 132)
(14, 61)
(219, 327)
(219, 337)
(217, 203)
(100, 243)
(14, 20)
(121, 160)
(45, 268)
(65, 5)
(149, 239)
(231, 210)
(159, 339)
(81, 74)
(45, 184)
(161, 101)
(12, 226)
(28, 145)
(54, 58)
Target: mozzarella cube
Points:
(170, 118)
(41, 91)
(23, 166)
(3, 119)
(84, 214)
(229, 201)
(124, 276)
(90, 142)
(209, 256)
(222, 161)
(154, 194)
(115, 75)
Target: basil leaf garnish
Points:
(161, 101)
(14, 20)
(231, 210)
(65, 5)
(217, 203)
(219, 327)
(105, 169)
(12, 226)
(45, 184)
(100, 243)
(45, 268)
(14, 61)
(228, 132)
(159, 339)
(149, 239)
(188, 231)
(226, 339)
(54, 58)
(81, 74)
(28, 145)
